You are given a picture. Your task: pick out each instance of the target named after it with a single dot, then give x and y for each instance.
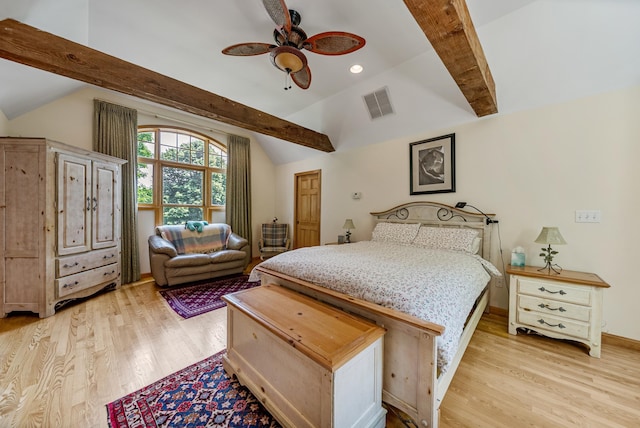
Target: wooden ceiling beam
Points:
(29, 46)
(448, 26)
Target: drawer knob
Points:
(561, 292)
(70, 285)
(559, 325)
(109, 273)
(560, 309)
(68, 266)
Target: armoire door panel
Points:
(103, 205)
(74, 204)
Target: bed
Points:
(382, 279)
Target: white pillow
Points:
(447, 238)
(401, 233)
(475, 247)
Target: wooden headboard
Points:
(441, 215)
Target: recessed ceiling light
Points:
(356, 68)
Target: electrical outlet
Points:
(588, 216)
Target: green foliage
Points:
(145, 192)
(548, 254)
(180, 215)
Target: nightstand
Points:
(562, 306)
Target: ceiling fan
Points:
(286, 54)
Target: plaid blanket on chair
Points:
(213, 237)
(274, 234)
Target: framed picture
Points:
(432, 165)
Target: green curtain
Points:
(115, 133)
(238, 207)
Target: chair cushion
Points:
(185, 260)
(273, 249)
(226, 256)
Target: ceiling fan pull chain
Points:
(287, 83)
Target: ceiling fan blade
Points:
(302, 78)
(248, 49)
(334, 43)
(279, 13)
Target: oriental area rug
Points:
(201, 395)
(203, 297)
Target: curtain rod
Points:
(160, 116)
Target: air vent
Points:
(378, 103)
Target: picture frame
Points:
(432, 166)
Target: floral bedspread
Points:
(440, 286)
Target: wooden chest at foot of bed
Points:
(309, 364)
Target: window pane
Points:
(218, 188)
(197, 151)
(217, 157)
(146, 144)
(169, 146)
(145, 183)
(180, 215)
(182, 186)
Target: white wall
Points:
(4, 124)
(70, 120)
(532, 169)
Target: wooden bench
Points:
(310, 364)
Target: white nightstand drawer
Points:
(555, 308)
(558, 325)
(559, 291)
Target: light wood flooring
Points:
(62, 371)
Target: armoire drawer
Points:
(74, 283)
(85, 261)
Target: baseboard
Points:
(623, 342)
(498, 311)
(146, 275)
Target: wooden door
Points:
(74, 204)
(307, 209)
(105, 219)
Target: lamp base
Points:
(550, 267)
(347, 237)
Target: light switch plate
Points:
(588, 216)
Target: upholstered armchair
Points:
(274, 239)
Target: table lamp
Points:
(348, 224)
(548, 236)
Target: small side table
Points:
(567, 305)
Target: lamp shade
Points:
(550, 235)
(348, 224)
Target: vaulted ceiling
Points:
(439, 64)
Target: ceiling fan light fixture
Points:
(288, 59)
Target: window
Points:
(182, 175)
